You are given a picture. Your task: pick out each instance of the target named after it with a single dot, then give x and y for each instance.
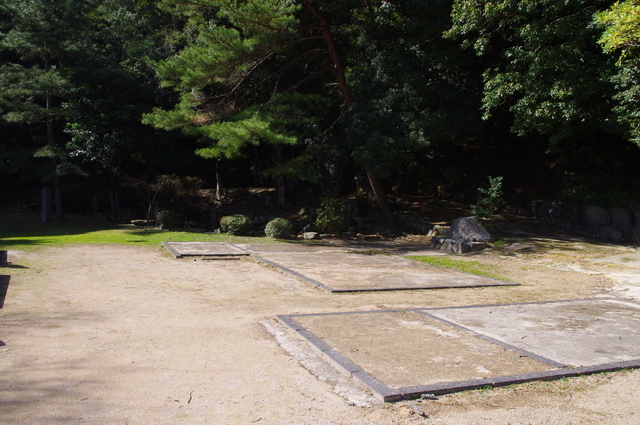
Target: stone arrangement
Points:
(466, 234)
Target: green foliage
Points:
(232, 136)
(490, 199)
(622, 36)
(113, 86)
(411, 87)
(278, 228)
(237, 225)
(169, 219)
(603, 189)
(541, 63)
(622, 31)
(43, 37)
(333, 216)
(221, 100)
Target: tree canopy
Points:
(622, 37)
(296, 93)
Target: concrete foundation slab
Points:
(324, 266)
(573, 333)
(371, 272)
(407, 353)
(203, 249)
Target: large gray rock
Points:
(597, 216)
(468, 229)
(609, 232)
(621, 218)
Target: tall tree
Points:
(541, 63)
(114, 84)
(622, 36)
(230, 76)
(41, 37)
(411, 88)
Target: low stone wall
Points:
(618, 224)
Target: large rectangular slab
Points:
(353, 272)
(405, 348)
(575, 333)
(405, 353)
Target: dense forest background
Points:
(139, 106)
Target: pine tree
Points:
(39, 39)
(240, 78)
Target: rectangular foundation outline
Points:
(388, 394)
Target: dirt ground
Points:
(130, 335)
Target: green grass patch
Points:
(24, 230)
(474, 267)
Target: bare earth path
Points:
(130, 335)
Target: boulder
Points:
(476, 246)
(609, 233)
(597, 216)
(621, 218)
(468, 229)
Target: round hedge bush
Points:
(237, 224)
(278, 228)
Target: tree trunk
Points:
(115, 203)
(219, 180)
(388, 224)
(57, 186)
(338, 68)
(281, 186)
(256, 167)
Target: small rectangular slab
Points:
(203, 249)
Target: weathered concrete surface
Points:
(574, 333)
(405, 348)
(325, 267)
(409, 352)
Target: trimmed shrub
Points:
(237, 224)
(169, 219)
(333, 216)
(278, 228)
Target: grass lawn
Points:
(474, 267)
(25, 229)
